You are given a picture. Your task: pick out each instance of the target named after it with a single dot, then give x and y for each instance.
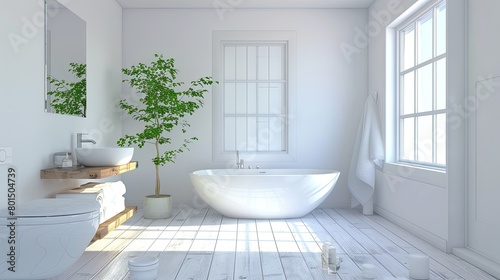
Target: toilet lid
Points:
(52, 207)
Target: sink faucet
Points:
(80, 140)
(240, 164)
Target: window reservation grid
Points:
(254, 88)
(422, 88)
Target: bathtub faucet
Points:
(240, 163)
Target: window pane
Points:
(229, 134)
(252, 98)
(252, 134)
(441, 29)
(276, 98)
(241, 98)
(276, 130)
(241, 133)
(229, 98)
(263, 98)
(252, 62)
(263, 133)
(424, 139)
(424, 89)
(441, 84)
(408, 47)
(263, 63)
(407, 139)
(424, 37)
(408, 94)
(276, 62)
(241, 63)
(229, 63)
(440, 139)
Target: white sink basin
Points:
(104, 156)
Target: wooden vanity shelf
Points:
(87, 172)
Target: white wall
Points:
(331, 87)
(483, 42)
(33, 134)
(481, 115)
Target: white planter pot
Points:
(157, 207)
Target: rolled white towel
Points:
(111, 208)
(118, 204)
(96, 195)
(114, 189)
(110, 190)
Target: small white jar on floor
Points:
(143, 268)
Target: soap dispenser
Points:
(67, 162)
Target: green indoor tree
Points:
(162, 107)
(70, 97)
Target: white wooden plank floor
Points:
(202, 244)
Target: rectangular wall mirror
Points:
(65, 61)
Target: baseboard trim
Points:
(421, 233)
(478, 260)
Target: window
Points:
(254, 103)
(254, 92)
(421, 78)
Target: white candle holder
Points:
(418, 266)
(368, 271)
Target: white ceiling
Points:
(210, 4)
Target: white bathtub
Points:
(264, 193)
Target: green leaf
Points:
(70, 97)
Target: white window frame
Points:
(255, 96)
(219, 38)
(426, 173)
(433, 112)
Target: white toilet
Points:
(45, 236)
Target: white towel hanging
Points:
(368, 152)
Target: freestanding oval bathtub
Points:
(264, 193)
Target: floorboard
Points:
(202, 244)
